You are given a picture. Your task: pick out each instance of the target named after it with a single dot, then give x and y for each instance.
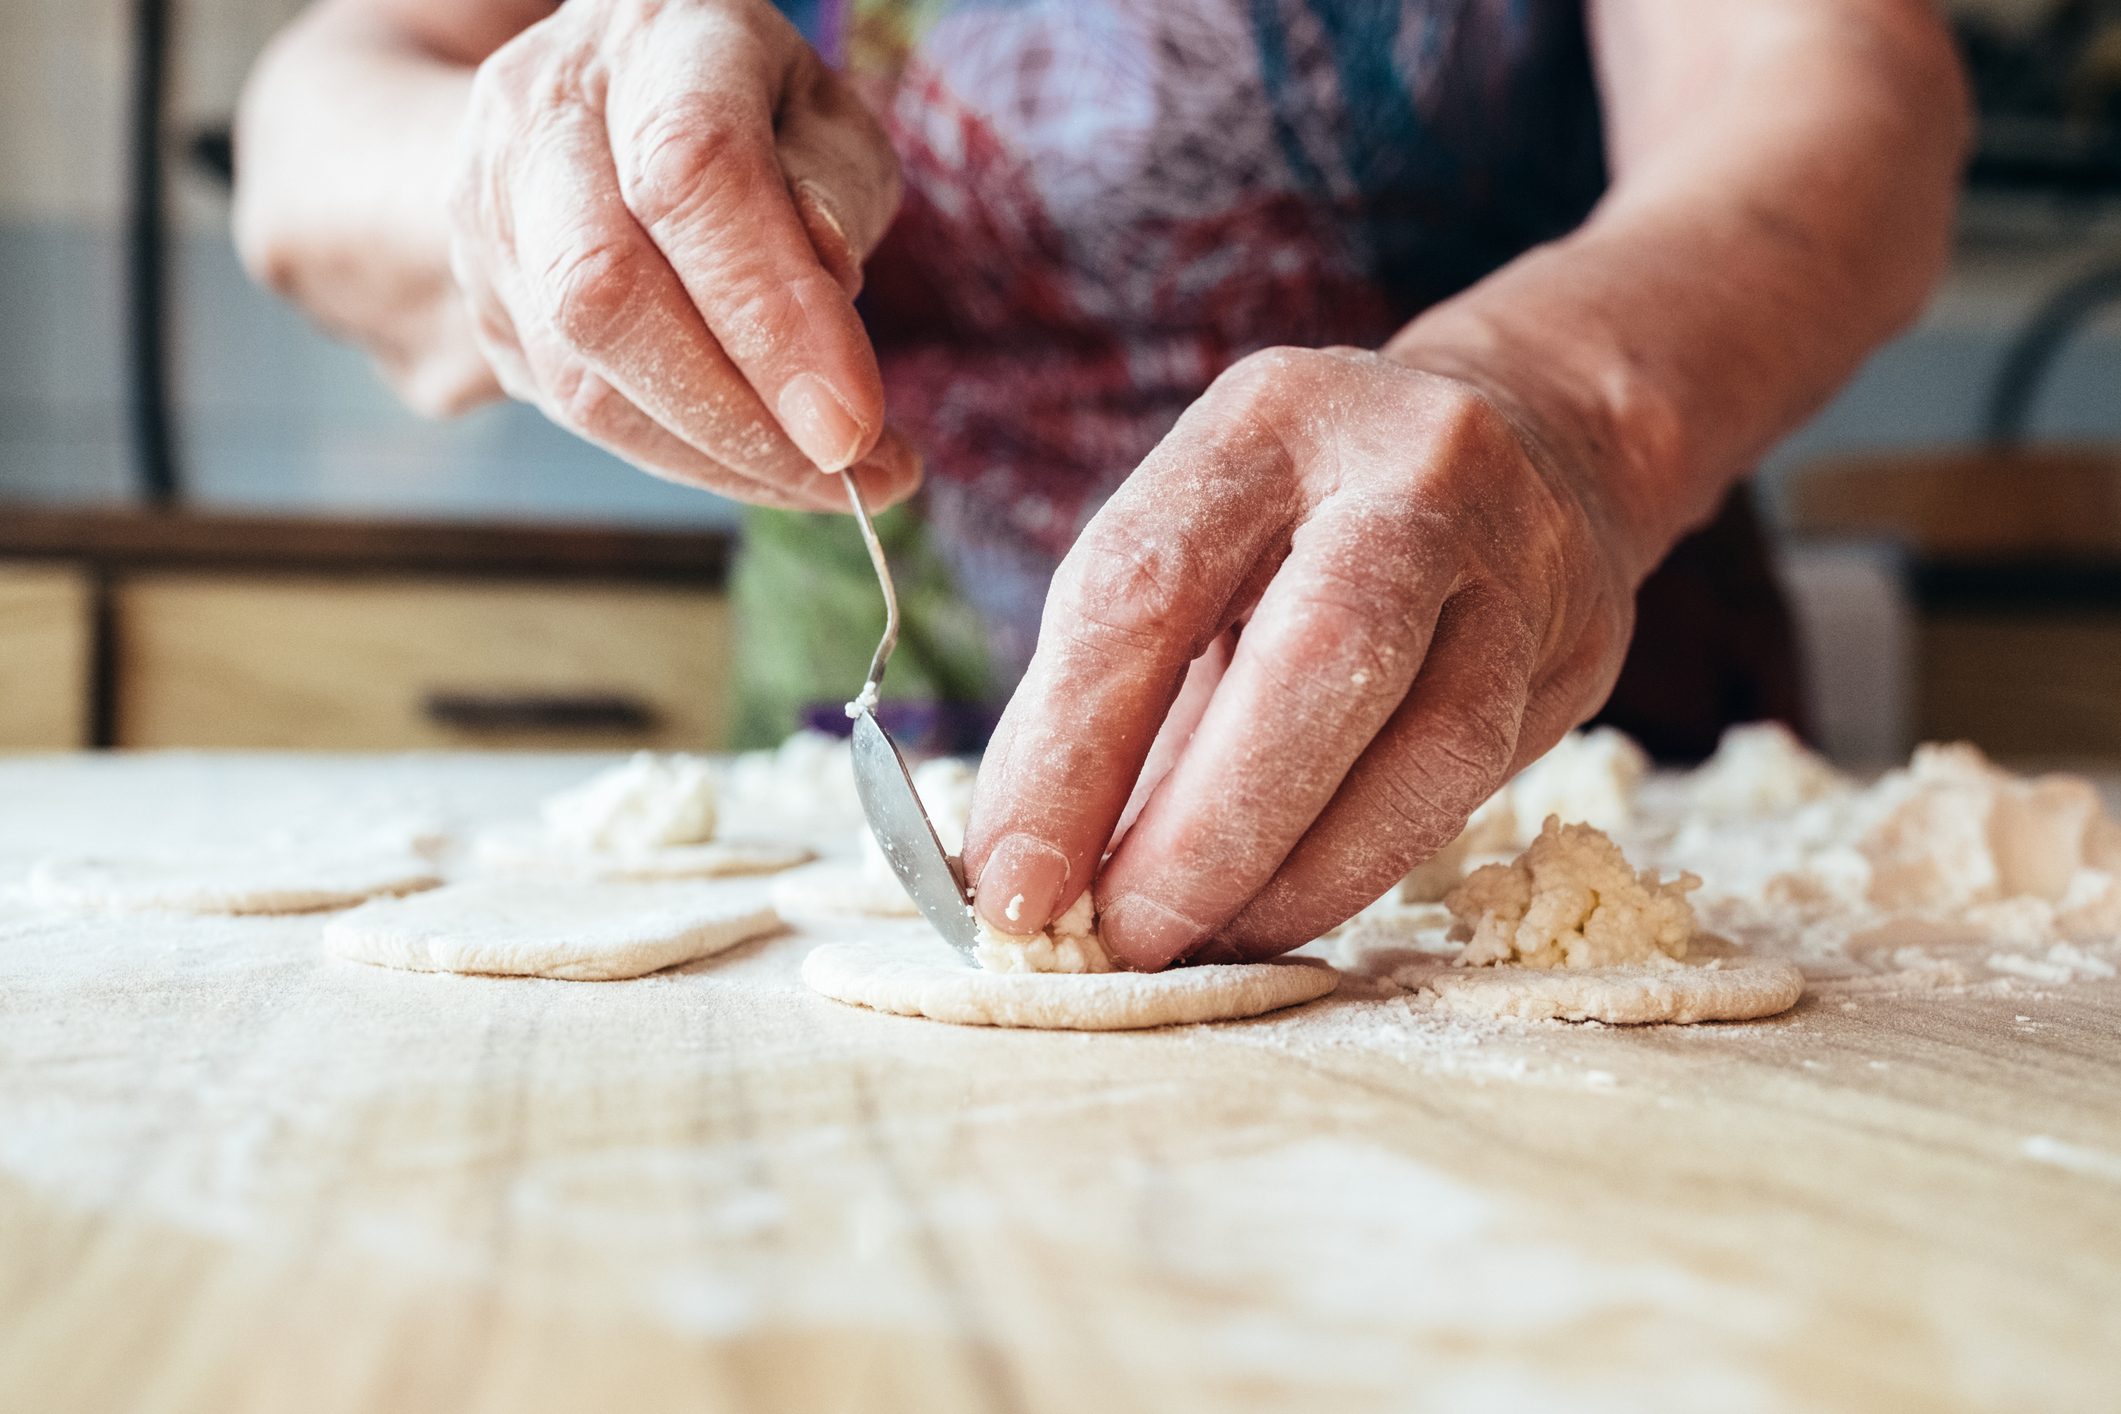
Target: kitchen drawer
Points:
(2024, 685)
(290, 661)
(47, 626)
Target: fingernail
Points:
(820, 422)
(1144, 934)
(1026, 872)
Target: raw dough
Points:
(533, 851)
(839, 888)
(582, 932)
(1570, 931)
(282, 881)
(1570, 900)
(914, 973)
(649, 802)
(1622, 996)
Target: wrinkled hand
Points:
(660, 224)
(1389, 594)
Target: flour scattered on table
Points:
(284, 880)
(1949, 862)
(569, 929)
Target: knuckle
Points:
(589, 290)
(585, 403)
(686, 156)
(1476, 743)
(1419, 814)
(1471, 431)
(1267, 368)
(1348, 649)
(1121, 589)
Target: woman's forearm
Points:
(345, 148)
(1785, 175)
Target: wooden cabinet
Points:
(179, 629)
(206, 660)
(47, 633)
(2025, 685)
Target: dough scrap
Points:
(258, 882)
(518, 850)
(568, 929)
(1636, 995)
(917, 974)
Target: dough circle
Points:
(920, 975)
(531, 851)
(838, 889)
(574, 930)
(1635, 995)
(292, 881)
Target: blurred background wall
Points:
(271, 417)
(269, 413)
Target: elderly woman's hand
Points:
(1425, 592)
(659, 224)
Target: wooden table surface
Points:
(238, 1175)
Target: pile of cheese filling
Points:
(1947, 861)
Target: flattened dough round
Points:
(1638, 995)
(919, 975)
(531, 851)
(837, 889)
(287, 881)
(573, 929)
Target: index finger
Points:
(1166, 566)
(691, 118)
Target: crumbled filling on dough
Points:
(1570, 900)
(1588, 777)
(1071, 944)
(806, 784)
(649, 802)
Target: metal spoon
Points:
(933, 879)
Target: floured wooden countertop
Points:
(238, 1175)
